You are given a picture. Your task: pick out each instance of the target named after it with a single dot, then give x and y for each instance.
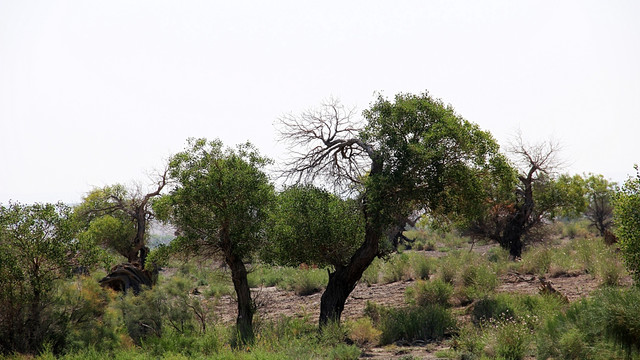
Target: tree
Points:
(537, 195)
(599, 192)
(37, 243)
(411, 154)
(626, 217)
(219, 205)
(118, 218)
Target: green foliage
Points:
(425, 293)
(595, 328)
(512, 339)
(537, 261)
(396, 268)
(88, 315)
(627, 220)
(303, 281)
(220, 195)
(219, 204)
(310, 225)
(414, 136)
(421, 265)
(491, 309)
(363, 333)
(431, 322)
(117, 218)
(599, 194)
(36, 248)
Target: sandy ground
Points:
(273, 303)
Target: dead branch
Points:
(326, 146)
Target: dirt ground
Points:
(273, 303)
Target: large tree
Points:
(413, 153)
(118, 217)
(219, 204)
(37, 243)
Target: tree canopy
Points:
(311, 225)
(118, 218)
(37, 245)
(626, 213)
(219, 205)
(410, 154)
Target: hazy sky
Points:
(99, 92)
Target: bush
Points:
(311, 281)
(626, 216)
(396, 268)
(491, 309)
(372, 274)
(425, 293)
(89, 317)
(598, 327)
(422, 266)
(537, 261)
(512, 339)
(363, 333)
(412, 323)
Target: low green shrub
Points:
(425, 293)
(372, 275)
(512, 339)
(596, 328)
(427, 323)
(363, 333)
(491, 309)
(396, 268)
(310, 281)
(421, 265)
(537, 260)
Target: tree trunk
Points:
(244, 321)
(344, 279)
(512, 239)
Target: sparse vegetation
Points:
(551, 287)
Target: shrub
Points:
(422, 266)
(491, 309)
(89, 317)
(311, 281)
(537, 261)
(412, 323)
(626, 215)
(512, 338)
(396, 268)
(597, 327)
(363, 333)
(469, 342)
(448, 272)
(372, 274)
(425, 293)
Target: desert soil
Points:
(274, 303)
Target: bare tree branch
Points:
(326, 146)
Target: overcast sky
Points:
(101, 92)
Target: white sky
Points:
(101, 92)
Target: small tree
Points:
(414, 153)
(599, 192)
(36, 246)
(118, 218)
(514, 208)
(626, 216)
(219, 206)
